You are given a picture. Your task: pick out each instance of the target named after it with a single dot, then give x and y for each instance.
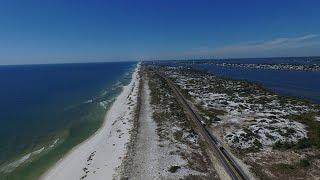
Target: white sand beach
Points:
(100, 156)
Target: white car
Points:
(203, 123)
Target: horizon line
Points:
(160, 59)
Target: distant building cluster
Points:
(294, 67)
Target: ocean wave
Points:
(104, 104)
(88, 101)
(54, 143)
(13, 165)
(105, 92)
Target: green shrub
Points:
(173, 169)
(301, 144)
(304, 163)
(313, 126)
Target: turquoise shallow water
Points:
(47, 109)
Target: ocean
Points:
(46, 110)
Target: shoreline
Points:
(262, 129)
(89, 158)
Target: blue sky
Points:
(59, 31)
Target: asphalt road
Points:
(230, 165)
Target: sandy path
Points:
(145, 162)
(100, 155)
